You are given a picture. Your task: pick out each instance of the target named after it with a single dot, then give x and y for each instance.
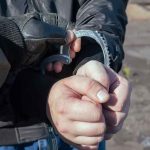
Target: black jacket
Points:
(105, 18)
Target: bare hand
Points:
(74, 110)
(116, 109)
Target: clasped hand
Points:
(90, 106)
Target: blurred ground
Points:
(136, 131)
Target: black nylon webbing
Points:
(12, 136)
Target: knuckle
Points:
(61, 127)
(95, 140)
(61, 109)
(99, 139)
(105, 79)
(92, 85)
(97, 116)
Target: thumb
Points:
(75, 43)
(96, 71)
(85, 86)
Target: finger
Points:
(84, 111)
(96, 71)
(58, 67)
(88, 129)
(49, 67)
(117, 105)
(88, 147)
(85, 147)
(72, 54)
(91, 88)
(120, 90)
(74, 107)
(70, 36)
(114, 118)
(76, 45)
(88, 140)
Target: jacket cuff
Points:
(110, 49)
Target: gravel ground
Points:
(135, 134)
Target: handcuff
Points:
(64, 49)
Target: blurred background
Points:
(135, 134)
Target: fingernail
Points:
(103, 96)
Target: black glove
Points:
(25, 39)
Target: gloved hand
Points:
(72, 40)
(26, 39)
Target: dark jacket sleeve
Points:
(104, 21)
(4, 67)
